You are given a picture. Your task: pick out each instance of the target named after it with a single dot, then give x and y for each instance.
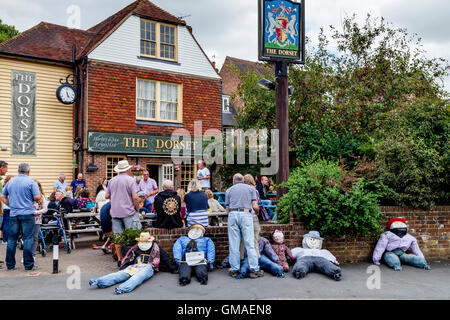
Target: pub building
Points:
(137, 76)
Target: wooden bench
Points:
(76, 227)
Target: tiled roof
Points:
(54, 42)
(244, 65)
(47, 41)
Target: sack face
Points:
(195, 258)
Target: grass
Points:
(275, 46)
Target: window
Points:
(187, 174)
(167, 172)
(158, 40)
(111, 162)
(225, 104)
(158, 101)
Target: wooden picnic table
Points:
(76, 224)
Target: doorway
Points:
(153, 170)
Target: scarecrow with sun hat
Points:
(138, 265)
(393, 244)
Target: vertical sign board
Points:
(23, 113)
(282, 30)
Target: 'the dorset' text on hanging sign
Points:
(23, 132)
(107, 142)
(281, 30)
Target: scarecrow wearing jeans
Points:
(393, 244)
(138, 265)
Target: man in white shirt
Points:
(203, 175)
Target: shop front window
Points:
(111, 162)
(187, 174)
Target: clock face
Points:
(66, 94)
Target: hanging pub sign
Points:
(23, 111)
(282, 30)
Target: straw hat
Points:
(122, 166)
(196, 231)
(145, 241)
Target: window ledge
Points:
(159, 123)
(175, 63)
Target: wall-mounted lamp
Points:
(269, 85)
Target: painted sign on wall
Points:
(106, 142)
(281, 30)
(23, 119)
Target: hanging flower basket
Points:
(137, 170)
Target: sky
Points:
(230, 28)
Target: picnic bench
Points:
(76, 224)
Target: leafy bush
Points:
(126, 238)
(331, 199)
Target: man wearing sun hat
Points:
(393, 244)
(123, 192)
(138, 265)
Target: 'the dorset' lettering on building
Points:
(23, 137)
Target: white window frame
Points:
(226, 107)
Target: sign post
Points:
(282, 40)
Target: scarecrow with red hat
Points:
(393, 244)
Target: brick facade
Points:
(431, 228)
(111, 107)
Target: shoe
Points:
(337, 276)
(427, 267)
(256, 274)
(398, 268)
(233, 273)
(21, 261)
(92, 282)
(15, 268)
(35, 267)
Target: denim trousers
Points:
(131, 282)
(36, 237)
(397, 257)
(241, 222)
(26, 224)
(265, 264)
(131, 222)
(5, 224)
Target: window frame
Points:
(158, 41)
(114, 156)
(226, 108)
(158, 101)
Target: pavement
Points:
(410, 283)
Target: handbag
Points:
(263, 214)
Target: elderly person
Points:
(196, 205)
(61, 183)
(20, 194)
(123, 192)
(248, 179)
(240, 200)
(214, 206)
(77, 182)
(168, 207)
(149, 186)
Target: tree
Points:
(7, 31)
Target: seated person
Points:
(138, 265)
(65, 205)
(196, 205)
(268, 261)
(53, 204)
(181, 193)
(214, 206)
(146, 205)
(193, 242)
(83, 199)
(167, 207)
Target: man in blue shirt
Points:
(19, 194)
(61, 184)
(240, 199)
(77, 182)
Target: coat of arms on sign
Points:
(281, 25)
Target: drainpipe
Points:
(77, 103)
(83, 74)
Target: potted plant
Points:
(137, 170)
(124, 241)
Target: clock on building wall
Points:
(66, 93)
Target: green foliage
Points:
(126, 238)
(7, 31)
(331, 199)
(412, 154)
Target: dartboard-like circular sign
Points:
(170, 206)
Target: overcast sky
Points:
(230, 27)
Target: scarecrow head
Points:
(398, 226)
(145, 241)
(278, 237)
(196, 231)
(312, 240)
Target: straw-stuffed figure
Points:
(282, 251)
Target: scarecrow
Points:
(393, 244)
(138, 265)
(312, 258)
(194, 253)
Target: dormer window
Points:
(158, 40)
(225, 103)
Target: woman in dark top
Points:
(196, 204)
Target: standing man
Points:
(61, 184)
(240, 199)
(3, 171)
(123, 192)
(19, 194)
(77, 182)
(203, 175)
(149, 186)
